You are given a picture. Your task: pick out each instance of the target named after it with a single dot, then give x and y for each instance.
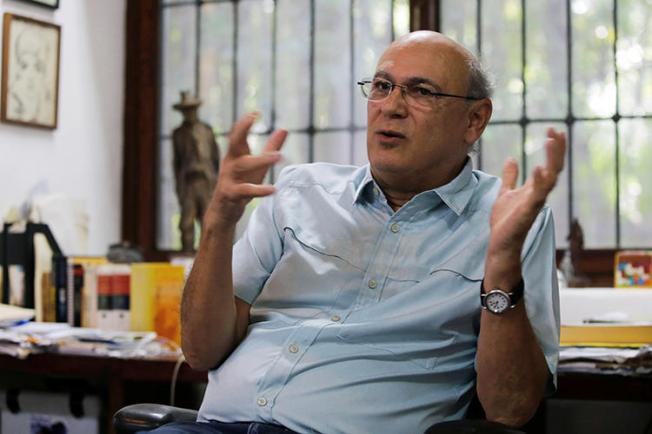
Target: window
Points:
(296, 61)
(583, 66)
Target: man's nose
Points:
(395, 104)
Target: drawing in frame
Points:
(30, 72)
(52, 4)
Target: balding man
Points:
(378, 299)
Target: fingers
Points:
(249, 163)
(238, 137)
(510, 174)
(555, 151)
(275, 141)
(248, 191)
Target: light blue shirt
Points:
(366, 320)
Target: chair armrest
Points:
(471, 426)
(146, 417)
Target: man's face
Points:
(425, 143)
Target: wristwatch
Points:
(498, 301)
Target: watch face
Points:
(497, 301)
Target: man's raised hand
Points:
(241, 174)
(516, 209)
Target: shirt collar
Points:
(456, 194)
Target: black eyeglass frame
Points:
(403, 87)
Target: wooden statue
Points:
(571, 263)
(196, 163)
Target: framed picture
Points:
(52, 4)
(30, 72)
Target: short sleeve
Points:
(541, 289)
(256, 253)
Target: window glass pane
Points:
(333, 84)
(295, 151)
(178, 63)
(254, 89)
(635, 181)
(499, 142)
(360, 148)
(546, 73)
(594, 90)
(216, 65)
(634, 56)
(501, 50)
(458, 21)
(168, 236)
(401, 18)
(535, 154)
(292, 64)
(594, 182)
(372, 34)
(333, 147)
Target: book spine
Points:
(78, 286)
(60, 271)
(104, 299)
(121, 292)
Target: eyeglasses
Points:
(378, 89)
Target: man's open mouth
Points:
(392, 134)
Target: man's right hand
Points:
(241, 174)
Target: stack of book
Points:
(91, 292)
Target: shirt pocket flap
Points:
(331, 242)
(467, 262)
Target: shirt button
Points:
(293, 348)
(336, 318)
(376, 191)
(395, 228)
(372, 284)
(261, 402)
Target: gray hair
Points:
(480, 82)
(480, 86)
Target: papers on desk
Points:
(34, 337)
(616, 360)
(606, 317)
(11, 315)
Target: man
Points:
(354, 302)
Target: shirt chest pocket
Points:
(444, 277)
(314, 269)
(424, 314)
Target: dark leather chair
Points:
(145, 417)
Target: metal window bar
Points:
(570, 118)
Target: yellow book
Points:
(605, 335)
(156, 297)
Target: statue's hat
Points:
(187, 101)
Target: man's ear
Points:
(479, 114)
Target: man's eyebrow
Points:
(423, 80)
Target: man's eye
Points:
(422, 91)
(381, 85)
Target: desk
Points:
(109, 376)
(114, 374)
(603, 386)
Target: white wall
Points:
(82, 158)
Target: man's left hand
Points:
(516, 209)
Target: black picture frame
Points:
(50, 4)
(22, 102)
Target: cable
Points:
(175, 374)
